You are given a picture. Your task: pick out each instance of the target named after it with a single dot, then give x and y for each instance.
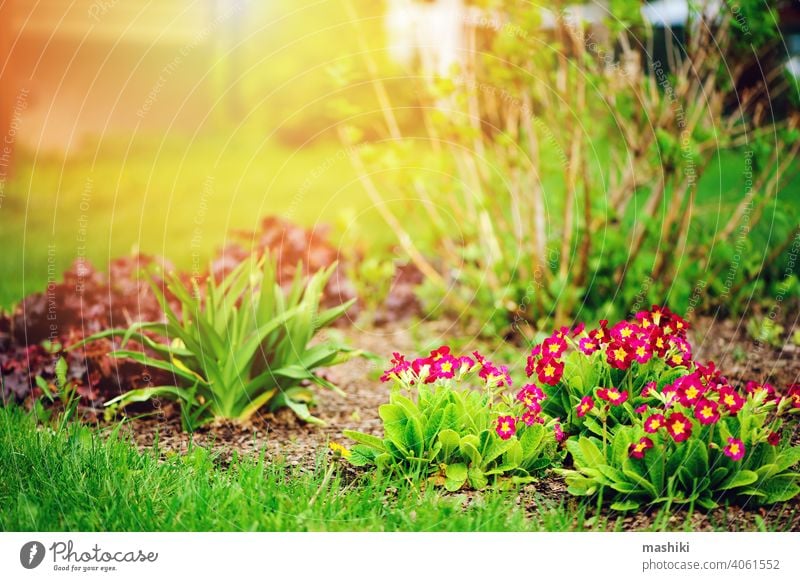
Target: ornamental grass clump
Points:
(450, 421)
(649, 425)
(236, 345)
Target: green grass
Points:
(168, 197)
(88, 480)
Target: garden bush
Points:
(438, 426)
(563, 173)
(235, 345)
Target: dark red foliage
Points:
(402, 301)
(290, 245)
(87, 301)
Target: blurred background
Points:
(160, 126)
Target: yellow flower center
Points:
(707, 412)
(734, 449)
(692, 393)
(626, 332)
(505, 426)
(640, 447)
(446, 367)
(549, 370)
(677, 358)
(619, 354)
(730, 400)
(678, 428)
(613, 395)
(640, 351)
(553, 348)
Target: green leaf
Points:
(707, 503)
(781, 488)
(147, 393)
(415, 441)
(432, 426)
(767, 471)
(256, 404)
(469, 448)
(455, 476)
(788, 458)
(625, 505)
(739, 479)
(450, 418)
(450, 442)
(477, 478)
(365, 439)
(392, 414)
(300, 410)
(512, 455)
(642, 482)
(61, 372)
(718, 475)
(695, 462)
(592, 454)
(531, 440)
(362, 455)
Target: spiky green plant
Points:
(237, 345)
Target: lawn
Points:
(87, 479)
(163, 197)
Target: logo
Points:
(31, 554)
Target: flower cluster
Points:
(441, 364)
(642, 373)
(609, 367)
(528, 409)
(703, 398)
(546, 360)
(656, 333)
(454, 417)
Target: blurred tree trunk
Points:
(6, 90)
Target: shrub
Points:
(236, 345)
(437, 427)
(572, 174)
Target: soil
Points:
(742, 358)
(284, 438)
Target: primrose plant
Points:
(450, 421)
(649, 425)
(595, 379)
(236, 345)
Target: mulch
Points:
(283, 438)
